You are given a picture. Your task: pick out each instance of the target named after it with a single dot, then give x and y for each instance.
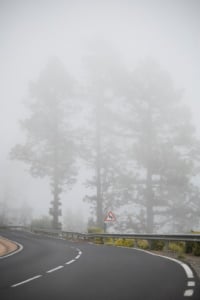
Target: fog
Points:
(31, 32)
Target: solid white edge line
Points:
(54, 269)
(186, 268)
(70, 262)
(188, 271)
(25, 281)
(20, 248)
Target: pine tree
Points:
(49, 148)
(104, 72)
(162, 143)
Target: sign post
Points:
(110, 217)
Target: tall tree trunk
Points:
(55, 211)
(149, 203)
(99, 204)
(149, 173)
(99, 196)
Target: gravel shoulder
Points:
(6, 246)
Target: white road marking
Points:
(186, 268)
(55, 269)
(188, 271)
(70, 262)
(79, 251)
(25, 281)
(191, 283)
(49, 271)
(189, 293)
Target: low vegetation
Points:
(178, 248)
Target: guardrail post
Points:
(150, 242)
(136, 243)
(166, 246)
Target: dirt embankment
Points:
(6, 246)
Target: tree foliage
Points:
(134, 133)
(102, 147)
(49, 148)
(162, 143)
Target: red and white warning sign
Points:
(110, 217)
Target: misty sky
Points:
(32, 31)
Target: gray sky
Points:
(32, 31)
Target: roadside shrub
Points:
(177, 247)
(95, 230)
(129, 243)
(189, 247)
(98, 240)
(119, 242)
(196, 249)
(143, 244)
(109, 241)
(124, 242)
(157, 245)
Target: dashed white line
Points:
(79, 251)
(189, 293)
(70, 262)
(55, 269)
(49, 271)
(191, 283)
(25, 281)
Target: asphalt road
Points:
(49, 268)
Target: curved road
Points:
(49, 268)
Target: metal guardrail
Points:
(164, 237)
(193, 237)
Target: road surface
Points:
(54, 269)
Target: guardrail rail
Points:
(192, 237)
